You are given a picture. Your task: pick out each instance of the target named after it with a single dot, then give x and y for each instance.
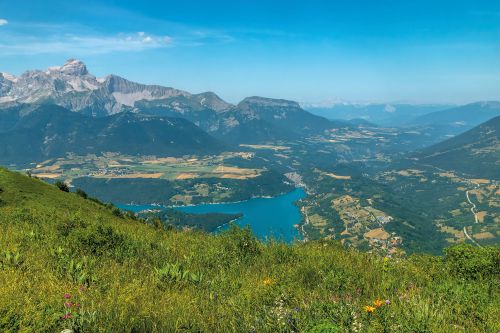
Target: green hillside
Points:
(475, 152)
(70, 262)
(49, 131)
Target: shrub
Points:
(99, 241)
(471, 262)
(116, 212)
(62, 186)
(81, 193)
(97, 201)
(240, 242)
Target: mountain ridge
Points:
(73, 87)
(475, 152)
(50, 131)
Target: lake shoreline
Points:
(269, 217)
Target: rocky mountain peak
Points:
(7, 77)
(74, 67)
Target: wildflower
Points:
(378, 303)
(67, 316)
(77, 305)
(387, 301)
(68, 304)
(82, 288)
(369, 309)
(67, 296)
(267, 281)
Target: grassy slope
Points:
(474, 152)
(52, 243)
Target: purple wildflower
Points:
(67, 316)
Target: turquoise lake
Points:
(268, 217)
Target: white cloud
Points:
(86, 44)
(3, 22)
(389, 108)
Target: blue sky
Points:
(411, 51)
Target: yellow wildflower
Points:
(369, 309)
(378, 303)
(267, 281)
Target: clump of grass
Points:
(67, 262)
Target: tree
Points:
(81, 193)
(62, 186)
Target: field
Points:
(111, 166)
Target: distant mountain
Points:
(74, 88)
(48, 131)
(379, 114)
(255, 119)
(475, 152)
(466, 116)
(359, 122)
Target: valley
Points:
(393, 188)
(358, 190)
(249, 166)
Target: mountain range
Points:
(454, 119)
(396, 114)
(254, 120)
(46, 114)
(48, 131)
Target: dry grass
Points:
(318, 221)
(47, 175)
(480, 181)
(272, 147)
(480, 216)
(378, 233)
(334, 176)
(235, 173)
(484, 235)
(138, 175)
(457, 234)
(187, 175)
(236, 176)
(163, 160)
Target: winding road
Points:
(473, 211)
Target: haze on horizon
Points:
(309, 51)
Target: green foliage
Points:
(208, 222)
(324, 327)
(76, 270)
(99, 241)
(81, 193)
(11, 259)
(471, 262)
(175, 273)
(62, 186)
(240, 242)
(70, 263)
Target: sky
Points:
(309, 51)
